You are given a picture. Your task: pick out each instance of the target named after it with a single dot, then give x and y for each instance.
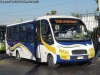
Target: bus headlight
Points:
(91, 52)
(64, 54)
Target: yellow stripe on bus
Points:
(50, 48)
(19, 45)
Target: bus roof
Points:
(56, 16)
(20, 22)
(45, 17)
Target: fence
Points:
(92, 21)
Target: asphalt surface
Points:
(10, 66)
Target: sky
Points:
(14, 12)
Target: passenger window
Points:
(30, 27)
(15, 33)
(30, 32)
(22, 28)
(9, 33)
(22, 33)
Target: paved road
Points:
(10, 66)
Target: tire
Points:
(18, 56)
(50, 62)
(89, 62)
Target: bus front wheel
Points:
(50, 62)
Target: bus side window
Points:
(30, 32)
(9, 33)
(22, 34)
(15, 33)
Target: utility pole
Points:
(99, 5)
(21, 20)
(75, 7)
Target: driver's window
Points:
(46, 31)
(44, 27)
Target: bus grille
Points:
(79, 52)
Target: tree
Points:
(96, 1)
(53, 12)
(48, 14)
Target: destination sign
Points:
(65, 21)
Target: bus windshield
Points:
(69, 29)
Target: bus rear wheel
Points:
(50, 62)
(18, 56)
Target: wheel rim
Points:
(51, 63)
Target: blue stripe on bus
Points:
(59, 60)
(74, 42)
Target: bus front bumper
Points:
(73, 59)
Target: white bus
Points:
(54, 39)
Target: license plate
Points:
(80, 57)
